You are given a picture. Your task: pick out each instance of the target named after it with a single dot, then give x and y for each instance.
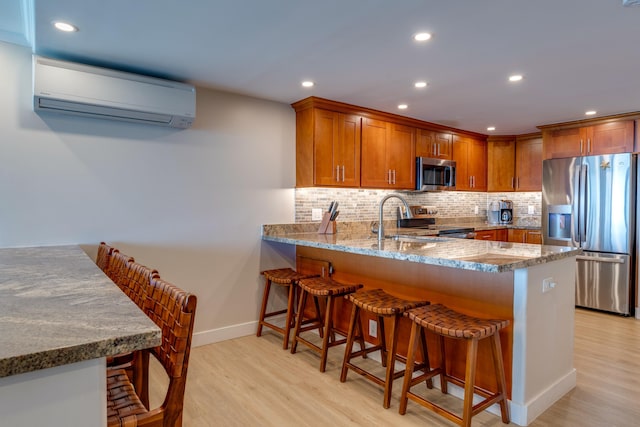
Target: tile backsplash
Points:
(362, 204)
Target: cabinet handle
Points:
(580, 146)
(470, 181)
(389, 176)
(394, 176)
(518, 182)
(342, 173)
(588, 145)
(434, 151)
(513, 182)
(438, 151)
(337, 173)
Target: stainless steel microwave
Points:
(435, 174)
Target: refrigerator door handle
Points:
(600, 259)
(585, 202)
(576, 211)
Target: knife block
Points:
(326, 225)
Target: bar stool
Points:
(320, 287)
(383, 305)
(284, 277)
(448, 323)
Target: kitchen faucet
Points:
(381, 217)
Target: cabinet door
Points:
(401, 156)
(425, 143)
(374, 171)
(610, 138)
(486, 235)
(529, 165)
(444, 146)
(460, 156)
(501, 156)
(336, 149)
(477, 167)
(534, 236)
(517, 235)
(502, 235)
(562, 143)
(347, 150)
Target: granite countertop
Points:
(57, 307)
(478, 255)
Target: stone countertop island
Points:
(60, 317)
(533, 286)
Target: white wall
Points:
(187, 202)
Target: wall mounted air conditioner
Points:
(70, 88)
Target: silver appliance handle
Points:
(575, 208)
(585, 202)
(600, 259)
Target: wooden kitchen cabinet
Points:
(436, 145)
(609, 137)
(388, 155)
(520, 235)
(336, 148)
(501, 163)
(499, 235)
(514, 163)
(470, 155)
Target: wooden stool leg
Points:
(425, 355)
(382, 340)
(290, 314)
(360, 334)
(443, 365)
(263, 309)
(349, 347)
(469, 380)
(502, 383)
(299, 317)
(318, 314)
(328, 332)
(408, 373)
(391, 362)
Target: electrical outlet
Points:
(475, 210)
(548, 284)
(373, 328)
(531, 210)
(316, 214)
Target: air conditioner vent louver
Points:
(83, 90)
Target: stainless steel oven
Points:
(435, 174)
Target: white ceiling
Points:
(576, 55)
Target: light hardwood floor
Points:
(251, 381)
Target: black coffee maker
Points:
(506, 211)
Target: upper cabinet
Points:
(470, 155)
(608, 136)
(388, 155)
(514, 163)
(327, 148)
(437, 145)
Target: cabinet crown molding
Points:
(592, 121)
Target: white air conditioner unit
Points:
(70, 88)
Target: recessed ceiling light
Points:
(308, 83)
(491, 128)
(420, 84)
(403, 106)
(591, 113)
(422, 37)
(515, 78)
(66, 27)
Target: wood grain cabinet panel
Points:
(528, 175)
(388, 155)
(520, 235)
(499, 234)
(601, 138)
(470, 155)
(436, 145)
(501, 164)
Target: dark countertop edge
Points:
(442, 262)
(67, 355)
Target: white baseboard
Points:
(222, 334)
(638, 313)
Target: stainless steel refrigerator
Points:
(589, 202)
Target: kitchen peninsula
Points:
(60, 317)
(531, 285)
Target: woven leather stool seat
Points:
(123, 404)
(320, 287)
(382, 304)
(451, 324)
(284, 277)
